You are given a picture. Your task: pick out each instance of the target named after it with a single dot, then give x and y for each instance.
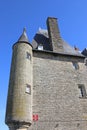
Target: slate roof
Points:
(42, 38)
(84, 52)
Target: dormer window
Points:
(40, 47)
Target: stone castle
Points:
(48, 83)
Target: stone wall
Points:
(56, 97)
(54, 35)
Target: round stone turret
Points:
(19, 101)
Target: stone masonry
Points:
(56, 96)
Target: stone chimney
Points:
(54, 35)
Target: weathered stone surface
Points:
(56, 97)
(19, 103)
(54, 35)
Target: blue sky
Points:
(32, 14)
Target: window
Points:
(82, 90)
(28, 88)
(40, 47)
(85, 61)
(28, 56)
(75, 65)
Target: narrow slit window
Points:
(28, 56)
(28, 89)
(82, 90)
(75, 65)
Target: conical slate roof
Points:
(23, 37)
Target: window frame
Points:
(28, 89)
(85, 61)
(75, 65)
(82, 90)
(28, 55)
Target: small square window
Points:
(28, 56)
(28, 89)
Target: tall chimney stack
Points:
(54, 35)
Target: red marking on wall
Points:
(35, 117)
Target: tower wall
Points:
(19, 102)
